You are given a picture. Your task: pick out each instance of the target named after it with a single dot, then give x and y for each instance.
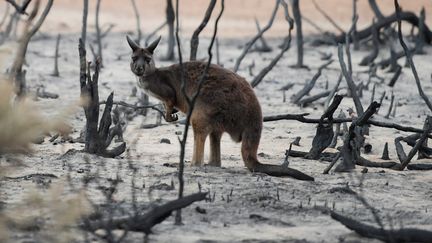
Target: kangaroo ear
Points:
(153, 45)
(132, 43)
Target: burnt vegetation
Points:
(342, 138)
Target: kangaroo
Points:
(227, 103)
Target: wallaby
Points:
(226, 103)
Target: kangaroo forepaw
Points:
(171, 117)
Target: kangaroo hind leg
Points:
(215, 152)
(200, 135)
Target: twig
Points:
(350, 82)
(98, 33)
(135, 107)
(84, 22)
(150, 36)
(401, 235)
(256, 37)
(195, 36)
(422, 139)
(144, 222)
(308, 87)
(354, 25)
(354, 139)
(309, 21)
(56, 56)
(306, 101)
(258, 78)
(333, 162)
(138, 21)
(333, 92)
(409, 57)
(390, 107)
(302, 118)
(328, 17)
(18, 8)
(190, 99)
(264, 46)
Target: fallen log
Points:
(143, 222)
(400, 235)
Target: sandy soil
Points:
(402, 198)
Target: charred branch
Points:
(401, 235)
(84, 22)
(56, 72)
(375, 9)
(368, 60)
(143, 222)
(354, 139)
(350, 82)
(324, 132)
(256, 37)
(153, 33)
(386, 22)
(138, 22)
(406, 159)
(285, 48)
(19, 9)
(195, 36)
(399, 16)
(309, 86)
(264, 46)
(98, 135)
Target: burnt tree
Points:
(299, 33)
(170, 17)
(16, 72)
(98, 135)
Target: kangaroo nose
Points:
(140, 69)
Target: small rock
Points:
(367, 148)
(178, 133)
(165, 140)
(365, 170)
(200, 210)
(80, 170)
(171, 165)
(162, 186)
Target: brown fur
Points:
(227, 103)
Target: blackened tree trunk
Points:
(170, 17)
(299, 33)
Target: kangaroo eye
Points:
(147, 59)
(134, 58)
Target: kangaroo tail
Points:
(250, 142)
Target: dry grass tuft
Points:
(21, 123)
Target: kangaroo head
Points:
(142, 58)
